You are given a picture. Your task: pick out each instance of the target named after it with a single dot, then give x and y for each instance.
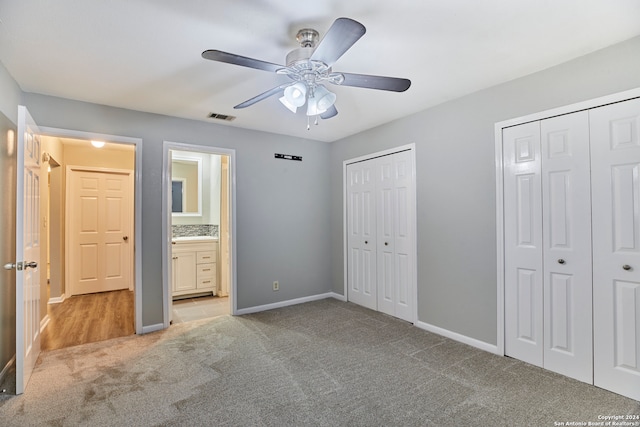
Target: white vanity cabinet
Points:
(194, 267)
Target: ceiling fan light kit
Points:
(309, 66)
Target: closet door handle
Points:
(366, 242)
(561, 261)
(386, 243)
(626, 267)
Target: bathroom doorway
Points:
(198, 232)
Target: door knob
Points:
(366, 242)
(125, 238)
(561, 261)
(386, 243)
(626, 267)
(20, 265)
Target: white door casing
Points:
(99, 229)
(615, 133)
(27, 249)
(566, 219)
(224, 227)
(361, 238)
(523, 274)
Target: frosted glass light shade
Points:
(325, 98)
(321, 101)
(287, 104)
(296, 94)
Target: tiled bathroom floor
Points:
(189, 309)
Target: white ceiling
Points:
(145, 54)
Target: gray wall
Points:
(282, 215)
(455, 170)
(10, 95)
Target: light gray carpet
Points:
(324, 363)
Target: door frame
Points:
(167, 146)
(69, 170)
(499, 165)
(137, 204)
(414, 280)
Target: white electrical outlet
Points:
(276, 286)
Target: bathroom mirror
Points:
(186, 185)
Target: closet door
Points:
(394, 189)
(566, 219)
(615, 167)
(523, 243)
(361, 234)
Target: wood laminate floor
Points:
(82, 319)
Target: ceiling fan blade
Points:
(231, 58)
(394, 84)
(331, 112)
(339, 38)
(262, 96)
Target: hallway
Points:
(83, 319)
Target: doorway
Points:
(198, 231)
(73, 148)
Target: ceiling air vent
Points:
(222, 117)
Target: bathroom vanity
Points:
(194, 266)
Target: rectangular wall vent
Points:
(221, 117)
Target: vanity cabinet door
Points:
(184, 271)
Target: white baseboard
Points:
(286, 303)
(44, 322)
(491, 348)
(152, 328)
(338, 296)
(57, 300)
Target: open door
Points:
(27, 248)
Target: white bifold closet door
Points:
(548, 288)
(380, 234)
(615, 169)
(361, 238)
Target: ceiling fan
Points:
(309, 67)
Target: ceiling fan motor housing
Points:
(300, 54)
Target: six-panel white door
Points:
(100, 230)
(615, 133)
(27, 249)
(361, 234)
(566, 219)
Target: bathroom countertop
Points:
(194, 239)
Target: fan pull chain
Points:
(316, 122)
(308, 127)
